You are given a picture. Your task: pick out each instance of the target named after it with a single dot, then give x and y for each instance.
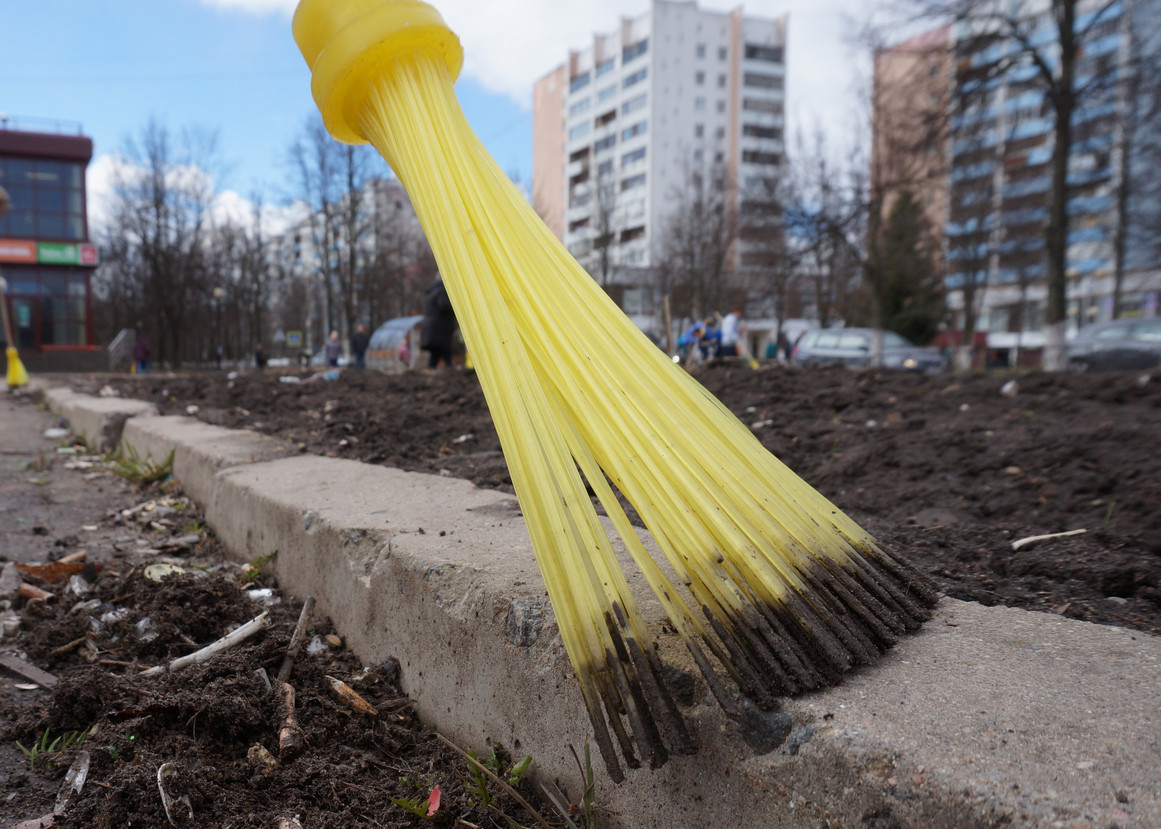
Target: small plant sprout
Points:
(43, 754)
(129, 464)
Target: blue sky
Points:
(231, 66)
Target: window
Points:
(47, 199)
(629, 158)
(699, 104)
(760, 81)
(637, 49)
(755, 105)
(699, 78)
(605, 143)
(718, 158)
(633, 104)
(606, 67)
(723, 52)
(699, 131)
(720, 133)
(58, 299)
(606, 93)
(579, 131)
(629, 234)
(579, 107)
(605, 168)
(698, 155)
(755, 131)
(633, 181)
(772, 54)
(636, 77)
(721, 106)
(607, 118)
(701, 50)
(756, 157)
(722, 81)
(579, 82)
(635, 130)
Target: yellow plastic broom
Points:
(782, 592)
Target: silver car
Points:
(1125, 344)
(852, 347)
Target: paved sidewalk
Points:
(41, 501)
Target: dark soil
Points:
(949, 471)
(217, 724)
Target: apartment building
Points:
(623, 127)
(1001, 150)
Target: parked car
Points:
(852, 347)
(1126, 344)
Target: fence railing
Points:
(121, 349)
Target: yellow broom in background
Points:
(17, 376)
(783, 592)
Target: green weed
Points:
(44, 753)
(254, 569)
(586, 808)
(144, 471)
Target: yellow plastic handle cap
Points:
(349, 43)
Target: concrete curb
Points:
(98, 421)
(989, 716)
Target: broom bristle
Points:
(785, 593)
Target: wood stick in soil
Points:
(234, 637)
(296, 640)
(290, 736)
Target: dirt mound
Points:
(948, 470)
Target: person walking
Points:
(359, 342)
(260, 356)
(438, 327)
(731, 333)
(141, 351)
(333, 349)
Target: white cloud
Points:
(508, 44)
(111, 170)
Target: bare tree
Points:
(158, 232)
(330, 178)
(1046, 40)
(772, 251)
(696, 267)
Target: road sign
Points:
(294, 339)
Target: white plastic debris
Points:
(56, 433)
(233, 375)
(146, 630)
(464, 438)
(78, 585)
(289, 378)
(1010, 389)
(74, 781)
(191, 409)
(317, 646)
(263, 594)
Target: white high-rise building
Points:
(622, 127)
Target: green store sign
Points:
(65, 253)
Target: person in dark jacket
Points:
(260, 356)
(438, 326)
(359, 342)
(141, 351)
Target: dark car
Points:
(1127, 344)
(852, 347)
